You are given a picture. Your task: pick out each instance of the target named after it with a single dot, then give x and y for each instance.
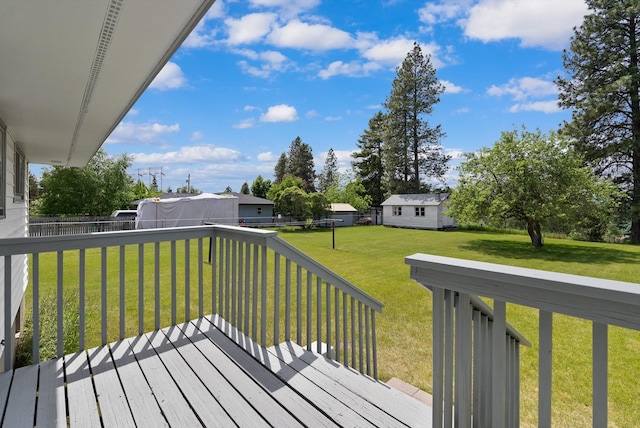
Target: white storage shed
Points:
(421, 211)
(187, 211)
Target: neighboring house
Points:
(252, 210)
(70, 71)
(421, 211)
(344, 212)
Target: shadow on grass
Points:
(554, 251)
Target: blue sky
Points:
(256, 74)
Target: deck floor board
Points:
(201, 373)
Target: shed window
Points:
(419, 211)
(397, 210)
(259, 210)
(19, 168)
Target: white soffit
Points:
(70, 70)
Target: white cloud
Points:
(267, 157)
(454, 153)
(271, 61)
(524, 88)
(197, 136)
(332, 118)
(435, 13)
(170, 77)
(316, 37)
(394, 51)
(127, 132)
(544, 23)
(280, 113)
(540, 106)
(311, 114)
(250, 108)
(286, 8)
(245, 123)
(190, 154)
(352, 69)
(451, 88)
(250, 28)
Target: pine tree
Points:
(329, 173)
(301, 164)
(260, 187)
(412, 147)
(368, 161)
(603, 90)
(282, 167)
(245, 189)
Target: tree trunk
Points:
(635, 130)
(533, 227)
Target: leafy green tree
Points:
(412, 147)
(260, 187)
(287, 181)
(329, 172)
(533, 178)
(292, 201)
(368, 164)
(34, 187)
(282, 167)
(349, 192)
(318, 205)
(301, 164)
(99, 188)
(140, 191)
(245, 189)
(603, 90)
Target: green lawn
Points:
(373, 259)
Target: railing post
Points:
(498, 364)
(438, 353)
(544, 370)
(8, 336)
(600, 374)
(463, 343)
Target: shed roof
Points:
(433, 199)
(343, 208)
(248, 199)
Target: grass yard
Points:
(373, 259)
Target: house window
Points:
(397, 210)
(3, 166)
(419, 211)
(19, 168)
(259, 210)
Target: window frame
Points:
(420, 211)
(397, 210)
(19, 175)
(259, 210)
(3, 170)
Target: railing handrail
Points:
(601, 300)
(290, 252)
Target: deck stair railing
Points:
(130, 282)
(495, 374)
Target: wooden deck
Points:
(201, 373)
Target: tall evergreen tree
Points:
(282, 167)
(368, 160)
(413, 150)
(329, 172)
(603, 89)
(245, 189)
(301, 164)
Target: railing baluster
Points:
(600, 374)
(156, 292)
(328, 318)
(498, 369)
(234, 282)
(360, 351)
(140, 289)
(214, 274)
(122, 272)
(263, 295)
(81, 300)
(174, 284)
(449, 297)
(309, 311)
(353, 332)
(438, 354)
(367, 343)
(299, 304)
(345, 329)
(463, 343)
(103, 299)
(544, 370)
(200, 278)
(478, 346)
(374, 347)
(227, 278)
(336, 299)
(36, 310)
(187, 280)
(8, 333)
(287, 301)
(221, 273)
(239, 286)
(254, 301)
(276, 299)
(319, 315)
(247, 286)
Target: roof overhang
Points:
(70, 70)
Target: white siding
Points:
(14, 225)
(409, 219)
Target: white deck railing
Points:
(259, 283)
(603, 302)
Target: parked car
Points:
(124, 214)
